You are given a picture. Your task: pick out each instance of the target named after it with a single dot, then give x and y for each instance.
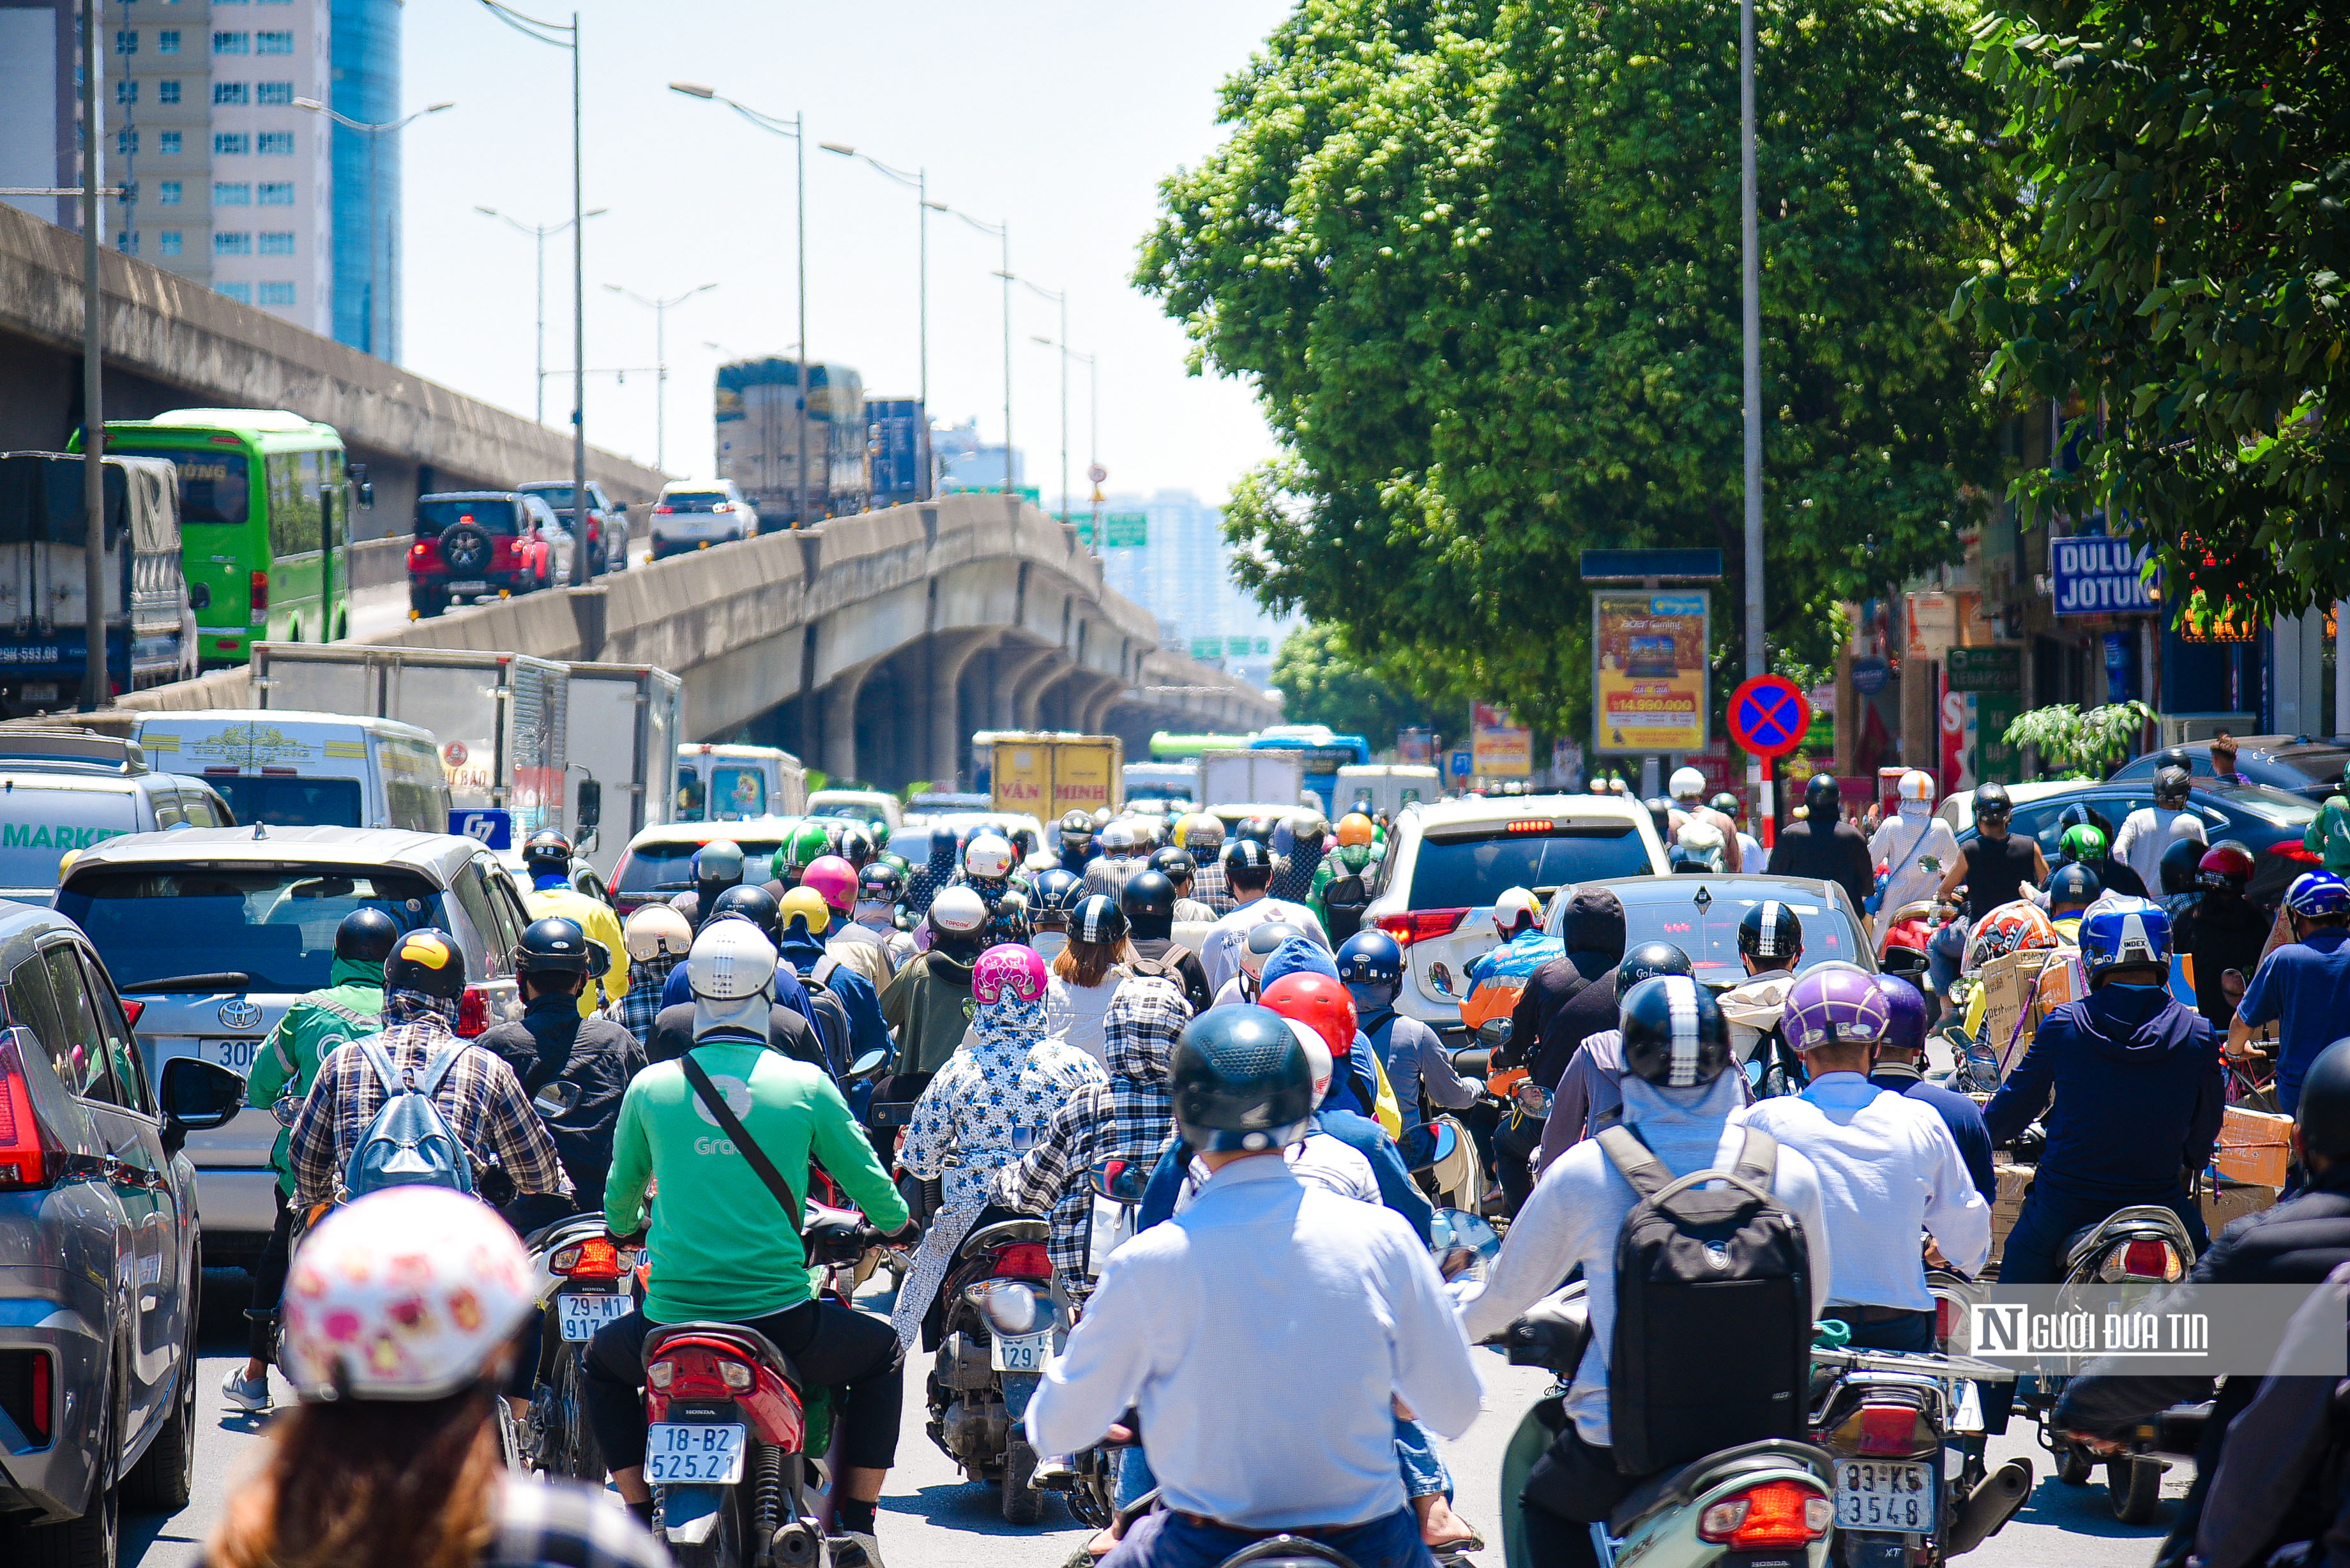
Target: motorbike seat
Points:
(1287, 1552)
(1674, 1488)
(754, 1345)
(2140, 1222)
(1003, 1233)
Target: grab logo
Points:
(733, 1091)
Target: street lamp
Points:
(1093, 440)
(1757, 659)
(660, 307)
(1063, 301)
(539, 231)
(1003, 232)
(376, 204)
(919, 180)
(796, 129)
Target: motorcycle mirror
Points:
(1440, 978)
(1907, 962)
(1009, 1306)
(871, 1062)
(1121, 1181)
(1462, 1243)
(1493, 1034)
(556, 1098)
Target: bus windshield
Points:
(215, 485)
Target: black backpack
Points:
(1713, 1310)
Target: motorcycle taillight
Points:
(2150, 1259)
(1946, 1320)
(692, 1372)
(1026, 1261)
(598, 1257)
(1891, 1430)
(1776, 1513)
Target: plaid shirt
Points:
(1207, 887)
(480, 1099)
(543, 1524)
(1132, 1116)
(643, 1003)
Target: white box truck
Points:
(1269, 777)
(622, 735)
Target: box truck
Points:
(1046, 776)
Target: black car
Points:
(2270, 823)
(2307, 766)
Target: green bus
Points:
(264, 523)
(1166, 747)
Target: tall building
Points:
(1180, 570)
(366, 207)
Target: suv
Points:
(1447, 861)
(100, 1259)
(473, 543)
(695, 513)
(63, 791)
(607, 520)
(268, 902)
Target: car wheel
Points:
(466, 552)
(164, 1478)
(95, 1539)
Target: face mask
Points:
(1372, 998)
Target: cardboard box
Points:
(2224, 1202)
(2255, 1147)
(2008, 1206)
(2019, 989)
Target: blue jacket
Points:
(1355, 1086)
(1397, 1190)
(1960, 1114)
(867, 1031)
(2304, 989)
(2139, 1092)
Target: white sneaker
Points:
(244, 1395)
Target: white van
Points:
(1374, 787)
(719, 783)
(294, 769)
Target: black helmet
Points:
(1991, 800)
(881, 883)
(547, 849)
(1174, 862)
(1246, 858)
(1257, 829)
(1674, 1035)
(1241, 1082)
(1057, 892)
(2324, 1116)
(367, 935)
(428, 961)
(1770, 930)
(2171, 786)
(2181, 862)
(2074, 887)
(1823, 800)
(552, 946)
(1148, 900)
(1076, 829)
(1098, 919)
(753, 904)
(1646, 961)
(718, 863)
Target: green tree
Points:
(1481, 259)
(2184, 289)
(1323, 682)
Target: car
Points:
(863, 804)
(607, 520)
(289, 768)
(2298, 764)
(267, 901)
(695, 513)
(1447, 861)
(1959, 810)
(65, 790)
(915, 840)
(2270, 823)
(1699, 915)
(658, 864)
(101, 1261)
(474, 543)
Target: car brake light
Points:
(2293, 849)
(663, 511)
(598, 1257)
(1421, 925)
(418, 550)
(1776, 1513)
(1026, 1261)
(260, 590)
(40, 1398)
(473, 1012)
(1530, 825)
(28, 1158)
(131, 1009)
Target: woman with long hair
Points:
(1087, 972)
(399, 1316)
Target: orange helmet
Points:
(2011, 927)
(1356, 828)
(1320, 1004)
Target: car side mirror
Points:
(200, 596)
(197, 1096)
(591, 806)
(362, 484)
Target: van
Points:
(65, 791)
(732, 784)
(302, 770)
(1374, 787)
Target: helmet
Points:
(1057, 891)
(755, 905)
(2324, 1116)
(2227, 865)
(731, 961)
(655, 930)
(1259, 828)
(1239, 1082)
(1726, 804)
(1076, 828)
(881, 883)
(1660, 811)
(1516, 910)
(1320, 1004)
(1101, 819)
(1008, 966)
(855, 844)
(2011, 928)
(1097, 919)
(1305, 826)
(1199, 832)
(2082, 841)
(834, 880)
(1991, 801)
(547, 848)
(1318, 1064)
(1370, 958)
(988, 857)
(367, 934)
(1149, 899)
(1175, 865)
(1264, 939)
(808, 905)
(1356, 828)
(1916, 788)
(552, 946)
(1834, 1004)
(719, 863)
(2074, 887)
(1146, 834)
(2171, 784)
(2315, 895)
(1823, 800)
(802, 846)
(2115, 936)
(2181, 859)
(1247, 858)
(1646, 961)
(428, 961)
(1674, 1035)
(958, 911)
(1905, 1013)
(406, 1294)
(1688, 785)
(1118, 839)
(1770, 930)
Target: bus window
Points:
(292, 502)
(214, 487)
(691, 796)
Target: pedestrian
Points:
(2151, 829)
(2303, 986)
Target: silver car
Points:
(218, 930)
(99, 1256)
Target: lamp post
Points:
(660, 307)
(539, 231)
(1757, 659)
(97, 692)
(1063, 301)
(920, 181)
(375, 134)
(1003, 232)
(796, 129)
(1092, 363)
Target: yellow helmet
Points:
(1198, 830)
(808, 903)
(1356, 828)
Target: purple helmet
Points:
(1905, 1023)
(1834, 1004)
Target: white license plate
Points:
(1020, 1353)
(693, 1453)
(1874, 1494)
(581, 1315)
(468, 587)
(236, 1054)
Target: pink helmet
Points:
(1008, 966)
(835, 881)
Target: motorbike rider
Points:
(1149, 902)
(805, 919)
(1888, 1166)
(1370, 966)
(1106, 872)
(1681, 1110)
(881, 893)
(1998, 864)
(2071, 890)
(2328, 837)
(658, 937)
(802, 848)
(1075, 835)
(1261, 942)
(1824, 847)
(720, 1251)
(1300, 843)
(2224, 932)
(547, 858)
(1347, 869)
(1591, 1091)
(1302, 984)
(717, 866)
(2181, 864)
(2151, 829)
(1086, 974)
(792, 1028)
(2087, 844)
(1915, 847)
(1497, 977)
(1753, 859)
(1180, 1329)
(1687, 787)
(349, 1006)
(1771, 944)
(1052, 899)
(1247, 869)
(2303, 986)
(1176, 864)
(1200, 835)
(1571, 996)
(834, 879)
(2139, 1095)
(924, 1005)
(1901, 1067)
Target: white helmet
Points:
(732, 960)
(1916, 788)
(1146, 834)
(655, 930)
(1117, 838)
(1039, 863)
(1317, 1058)
(1688, 784)
(988, 855)
(406, 1294)
(1515, 908)
(958, 911)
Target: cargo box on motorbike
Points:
(2255, 1147)
(2019, 990)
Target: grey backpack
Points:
(407, 1143)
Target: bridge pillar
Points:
(1029, 700)
(1012, 703)
(839, 702)
(946, 657)
(1108, 690)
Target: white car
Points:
(861, 804)
(695, 513)
(1447, 861)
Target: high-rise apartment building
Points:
(1181, 572)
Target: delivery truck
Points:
(1047, 776)
(1269, 777)
(622, 730)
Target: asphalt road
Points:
(375, 611)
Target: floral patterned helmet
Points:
(2011, 927)
(1008, 966)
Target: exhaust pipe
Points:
(795, 1545)
(1989, 1506)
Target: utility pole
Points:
(538, 232)
(1757, 659)
(97, 690)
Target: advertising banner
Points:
(1416, 746)
(1498, 748)
(1649, 653)
(2093, 575)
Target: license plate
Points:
(468, 587)
(1872, 1494)
(581, 1315)
(40, 691)
(237, 1054)
(693, 1453)
(1020, 1353)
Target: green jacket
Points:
(928, 1007)
(2328, 837)
(311, 1029)
(1346, 860)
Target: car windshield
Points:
(291, 802)
(693, 500)
(274, 923)
(1470, 868)
(214, 487)
(1669, 910)
(557, 495)
(492, 515)
(669, 867)
(2281, 807)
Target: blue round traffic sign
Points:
(1768, 716)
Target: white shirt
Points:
(1072, 1013)
(1263, 1333)
(1319, 1158)
(1888, 1169)
(2146, 833)
(1753, 859)
(1901, 843)
(1220, 952)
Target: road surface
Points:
(375, 611)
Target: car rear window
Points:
(492, 516)
(275, 923)
(669, 867)
(695, 500)
(292, 802)
(1468, 870)
(1707, 932)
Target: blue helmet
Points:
(1370, 958)
(2315, 895)
(1057, 891)
(2123, 932)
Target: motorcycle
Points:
(1904, 1431)
(1001, 1324)
(584, 1281)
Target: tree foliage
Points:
(2184, 289)
(1481, 259)
(1323, 682)
(2076, 744)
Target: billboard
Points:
(1650, 656)
(1499, 749)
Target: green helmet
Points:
(904, 868)
(2082, 841)
(880, 829)
(802, 845)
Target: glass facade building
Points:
(365, 88)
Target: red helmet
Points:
(2225, 864)
(1320, 1004)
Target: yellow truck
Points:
(1046, 776)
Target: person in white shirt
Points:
(1888, 1166)
(1087, 974)
(1180, 1329)
(1248, 872)
(1771, 944)
(1260, 942)
(2149, 830)
(1688, 805)
(1915, 847)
